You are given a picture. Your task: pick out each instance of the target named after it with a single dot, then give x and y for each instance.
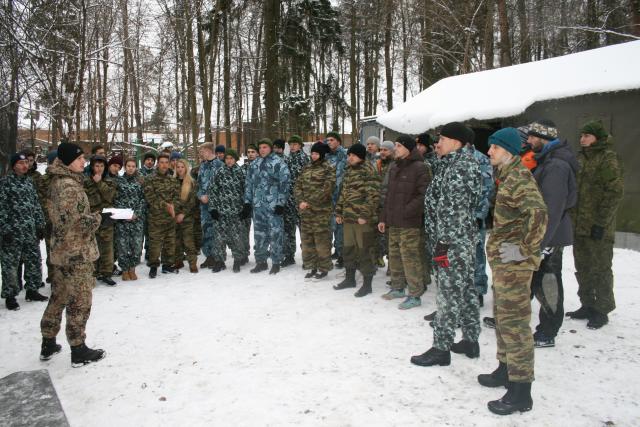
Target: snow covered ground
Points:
(252, 350)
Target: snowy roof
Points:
(508, 91)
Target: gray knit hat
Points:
(388, 145)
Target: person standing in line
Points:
(252, 154)
(296, 161)
(185, 244)
(337, 157)
(373, 150)
(148, 164)
(382, 167)
(210, 164)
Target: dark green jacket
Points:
(158, 191)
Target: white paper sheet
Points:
(119, 213)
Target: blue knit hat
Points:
(52, 156)
(220, 149)
(175, 155)
(507, 138)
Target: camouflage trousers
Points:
(406, 260)
(268, 235)
(197, 230)
(316, 244)
(480, 277)
(185, 244)
(426, 257)
(104, 264)
(129, 235)
(512, 311)
(359, 249)
(456, 299)
(246, 240)
(229, 231)
(206, 223)
(546, 286)
(71, 289)
(291, 222)
(162, 240)
(26, 250)
(592, 260)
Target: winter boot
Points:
(334, 255)
(365, 289)
(11, 303)
(106, 280)
(349, 280)
(125, 276)
(380, 262)
(517, 398)
(207, 263)
(193, 266)
(82, 355)
(261, 266)
(132, 274)
(49, 348)
(244, 261)
(471, 349)
(179, 265)
(320, 275)
(393, 294)
(310, 274)
(166, 269)
(596, 320)
(116, 271)
(497, 378)
(35, 296)
(236, 265)
(287, 262)
(153, 272)
(580, 314)
(339, 262)
(410, 302)
(540, 340)
(275, 269)
(430, 317)
(432, 357)
(218, 266)
(481, 300)
(489, 322)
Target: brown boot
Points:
(126, 276)
(132, 274)
(179, 265)
(193, 266)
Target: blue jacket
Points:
(337, 159)
(206, 173)
(267, 184)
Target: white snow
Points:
(508, 91)
(252, 350)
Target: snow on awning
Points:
(508, 91)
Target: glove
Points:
(246, 211)
(597, 232)
(215, 215)
(39, 233)
(510, 252)
(480, 223)
(106, 219)
(440, 257)
(7, 239)
(279, 210)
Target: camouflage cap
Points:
(295, 139)
(231, 152)
(266, 141)
(545, 129)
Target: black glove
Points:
(215, 215)
(441, 255)
(279, 210)
(246, 211)
(480, 223)
(106, 219)
(7, 239)
(39, 233)
(597, 232)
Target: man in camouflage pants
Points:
(313, 192)
(451, 228)
(600, 189)
(206, 173)
(513, 250)
(296, 160)
(21, 226)
(73, 251)
(337, 157)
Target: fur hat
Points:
(320, 148)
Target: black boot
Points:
(339, 262)
(470, 349)
(166, 269)
(207, 263)
(481, 300)
(430, 317)
(236, 265)
(287, 262)
(597, 320)
(106, 280)
(320, 275)
(35, 296)
(275, 269)
(431, 357)
(11, 303)
(261, 266)
(517, 398)
(49, 348)
(349, 280)
(153, 272)
(580, 314)
(218, 266)
(81, 355)
(244, 261)
(310, 274)
(489, 322)
(365, 289)
(497, 378)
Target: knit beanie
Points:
(374, 140)
(220, 149)
(295, 139)
(595, 128)
(266, 141)
(544, 129)
(388, 145)
(424, 139)
(320, 148)
(252, 147)
(507, 138)
(52, 156)
(16, 157)
(68, 152)
(116, 160)
(406, 141)
(231, 152)
(98, 158)
(279, 143)
(359, 150)
(458, 131)
(149, 155)
(335, 135)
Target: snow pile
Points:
(508, 91)
(253, 350)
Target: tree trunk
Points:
(525, 41)
(271, 91)
(487, 38)
(635, 17)
(353, 71)
(505, 40)
(592, 37)
(227, 74)
(427, 59)
(387, 53)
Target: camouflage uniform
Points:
(73, 252)
(159, 190)
(315, 186)
(145, 172)
(600, 189)
(267, 186)
(185, 243)
(129, 234)
(450, 204)
(206, 173)
(337, 159)
(519, 217)
(227, 200)
(21, 221)
(247, 222)
(197, 217)
(382, 166)
(295, 162)
(101, 195)
(359, 198)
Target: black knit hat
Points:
(278, 143)
(458, 131)
(320, 148)
(15, 158)
(68, 152)
(424, 139)
(149, 155)
(408, 142)
(359, 150)
(335, 135)
(220, 149)
(252, 147)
